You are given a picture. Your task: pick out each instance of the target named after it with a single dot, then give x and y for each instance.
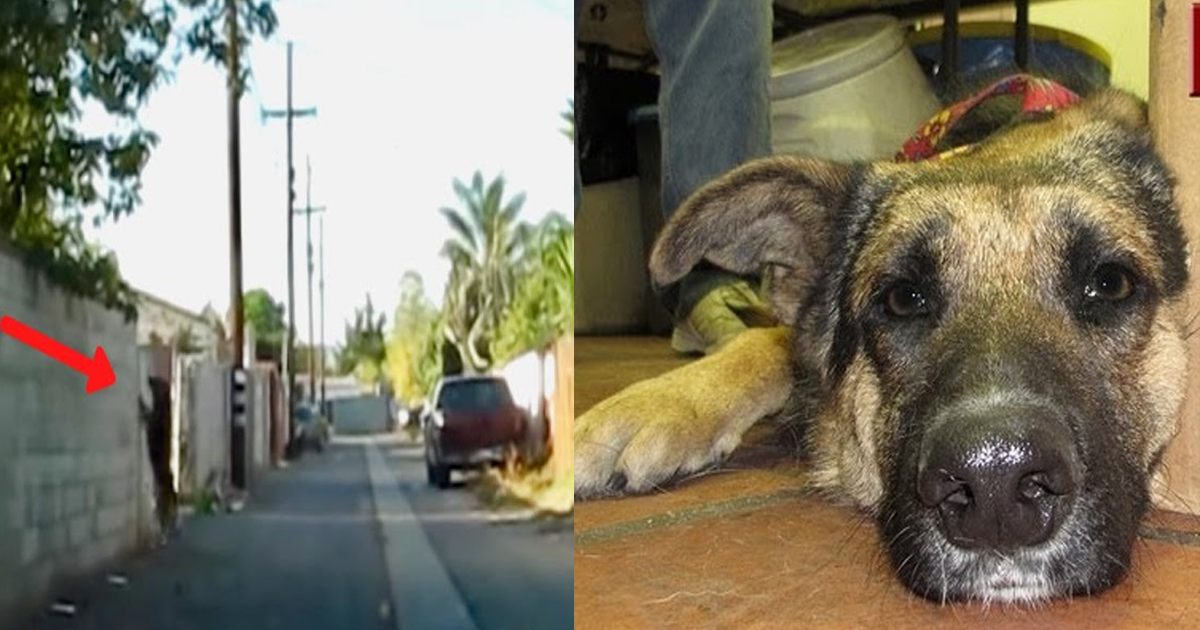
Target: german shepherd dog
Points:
(986, 353)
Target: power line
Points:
(289, 343)
(308, 210)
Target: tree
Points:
(184, 341)
(363, 352)
(54, 58)
(303, 351)
(265, 315)
(414, 359)
(543, 307)
(485, 247)
(568, 117)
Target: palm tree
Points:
(484, 250)
(543, 305)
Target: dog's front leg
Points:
(683, 421)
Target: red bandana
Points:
(1040, 95)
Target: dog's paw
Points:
(642, 437)
(683, 421)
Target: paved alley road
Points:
(351, 538)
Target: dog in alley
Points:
(983, 351)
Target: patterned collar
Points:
(1040, 95)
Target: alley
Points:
(332, 542)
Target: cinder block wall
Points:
(71, 464)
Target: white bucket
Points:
(847, 90)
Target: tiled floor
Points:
(748, 547)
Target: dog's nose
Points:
(1001, 479)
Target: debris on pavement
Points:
(63, 608)
(116, 579)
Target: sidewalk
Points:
(305, 553)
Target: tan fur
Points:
(1000, 224)
(683, 421)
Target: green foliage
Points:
(484, 251)
(55, 57)
(265, 315)
(414, 358)
(208, 34)
(184, 341)
(61, 253)
(303, 352)
(568, 117)
(363, 352)
(543, 307)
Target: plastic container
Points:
(985, 53)
(847, 90)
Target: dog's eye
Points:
(1109, 283)
(905, 299)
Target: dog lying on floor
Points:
(984, 352)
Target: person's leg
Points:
(714, 114)
(714, 110)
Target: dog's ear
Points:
(1116, 106)
(771, 216)
(1111, 105)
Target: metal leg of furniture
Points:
(1021, 39)
(949, 69)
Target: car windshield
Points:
(475, 394)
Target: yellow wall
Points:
(1122, 27)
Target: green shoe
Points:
(721, 307)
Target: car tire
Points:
(439, 476)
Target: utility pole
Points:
(237, 434)
(289, 343)
(308, 212)
(321, 284)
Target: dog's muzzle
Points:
(1000, 476)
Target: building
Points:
(163, 322)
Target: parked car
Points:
(312, 430)
(472, 421)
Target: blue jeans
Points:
(714, 109)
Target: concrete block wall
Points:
(71, 464)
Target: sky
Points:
(410, 94)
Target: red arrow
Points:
(97, 368)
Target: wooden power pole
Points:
(237, 434)
(289, 343)
(308, 211)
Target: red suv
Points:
(473, 422)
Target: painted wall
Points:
(369, 413)
(165, 320)
(200, 393)
(1122, 27)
